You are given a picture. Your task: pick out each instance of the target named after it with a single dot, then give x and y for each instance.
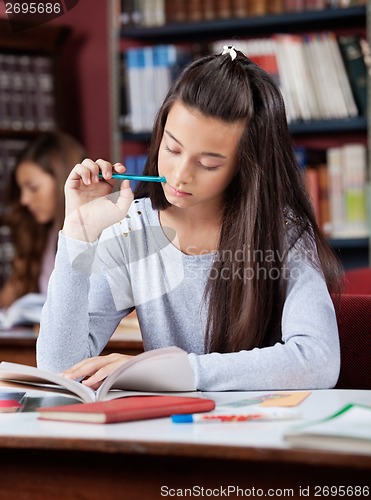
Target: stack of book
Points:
(347, 431)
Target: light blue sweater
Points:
(134, 264)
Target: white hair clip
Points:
(231, 50)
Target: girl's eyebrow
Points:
(204, 153)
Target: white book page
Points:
(353, 423)
(160, 370)
(30, 376)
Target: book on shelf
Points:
(336, 202)
(309, 70)
(257, 7)
(224, 9)
(160, 370)
(149, 13)
(294, 5)
(153, 13)
(318, 90)
(275, 7)
(336, 182)
(312, 185)
(208, 10)
(354, 160)
(45, 101)
(240, 8)
(324, 199)
(175, 11)
(127, 409)
(142, 13)
(347, 166)
(150, 72)
(135, 68)
(313, 164)
(350, 46)
(263, 52)
(315, 4)
(27, 100)
(341, 82)
(348, 430)
(194, 10)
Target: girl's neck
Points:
(196, 233)
(195, 217)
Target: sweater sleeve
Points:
(307, 358)
(79, 315)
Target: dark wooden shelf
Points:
(356, 124)
(43, 39)
(312, 20)
(343, 243)
(19, 134)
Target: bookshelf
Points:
(38, 47)
(30, 101)
(274, 23)
(322, 133)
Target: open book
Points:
(160, 370)
(347, 430)
(24, 311)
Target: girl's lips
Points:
(177, 192)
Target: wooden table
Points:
(18, 345)
(155, 459)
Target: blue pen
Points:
(147, 178)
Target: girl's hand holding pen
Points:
(91, 204)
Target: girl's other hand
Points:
(91, 203)
(94, 370)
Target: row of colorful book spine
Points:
(336, 180)
(160, 12)
(150, 71)
(27, 96)
(321, 76)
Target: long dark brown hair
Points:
(55, 153)
(267, 209)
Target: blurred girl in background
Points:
(36, 211)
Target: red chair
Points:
(353, 313)
(358, 281)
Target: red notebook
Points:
(125, 409)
